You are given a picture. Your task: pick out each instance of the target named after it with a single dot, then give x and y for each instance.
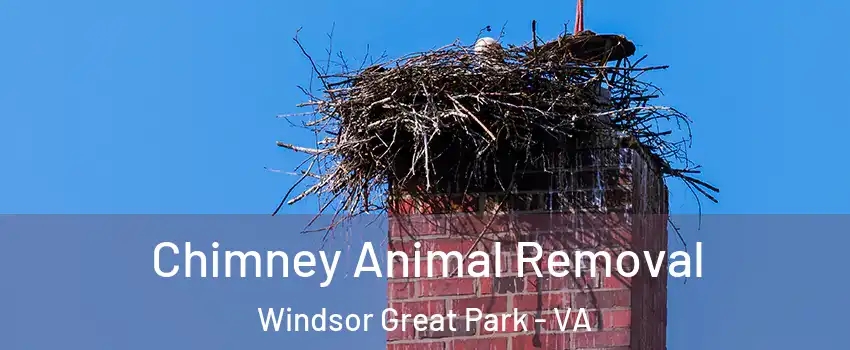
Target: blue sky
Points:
(169, 106)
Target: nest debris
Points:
(452, 121)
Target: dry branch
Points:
(450, 121)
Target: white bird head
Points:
(486, 43)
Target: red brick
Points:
(451, 329)
(430, 307)
(542, 302)
(416, 226)
(485, 285)
(535, 284)
(407, 246)
(418, 346)
(621, 236)
(485, 304)
(467, 224)
(402, 207)
(443, 204)
(616, 282)
(533, 222)
(498, 343)
(616, 318)
(559, 341)
(446, 287)
(608, 299)
(502, 285)
(400, 290)
(601, 339)
(523, 342)
(603, 299)
(446, 245)
(401, 334)
(549, 283)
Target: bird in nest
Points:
(489, 52)
(485, 44)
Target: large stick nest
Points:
(454, 121)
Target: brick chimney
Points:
(596, 198)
